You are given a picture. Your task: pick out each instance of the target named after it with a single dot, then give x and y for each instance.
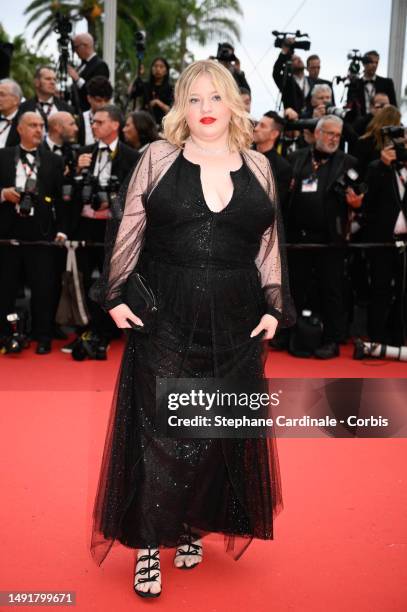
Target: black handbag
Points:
(141, 300)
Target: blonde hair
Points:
(176, 130)
(389, 115)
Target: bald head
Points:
(62, 127)
(84, 45)
(31, 129)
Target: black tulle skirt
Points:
(152, 490)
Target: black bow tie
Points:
(24, 153)
(369, 81)
(102, 149)
(4, 118)
(56, 148)
(46, 104)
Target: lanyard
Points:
(110, 156)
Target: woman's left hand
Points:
(267, 323)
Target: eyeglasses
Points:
(332, 134)
(78, 45)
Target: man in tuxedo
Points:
(31, 209)
(362, 90)
(295, 87)
(265, 136)
(92, 65)
(318, 212)
(385, 215)
(379, 101)
(45, 102)
(98, 164)
(10, 98)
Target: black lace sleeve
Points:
(124, 235)
(271, 259)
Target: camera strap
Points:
(21, 155)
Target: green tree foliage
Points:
(24, 61)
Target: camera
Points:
(281, 40)
(18, 340)
(300, 125)
(225, 53)
(350, 178)
(94, 194)
(140, 43)
(395, 133)
(28, 198)
(70, 156)
(335, 110)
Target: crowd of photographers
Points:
(341, 175)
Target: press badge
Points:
(309, 185)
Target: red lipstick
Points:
(207, 120)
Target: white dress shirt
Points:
(103, 165)
(5, 126)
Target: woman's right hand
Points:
(121, 313)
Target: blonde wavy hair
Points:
(176, 130)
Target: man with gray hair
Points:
(10, 98)
(319, 212)
(92, 65)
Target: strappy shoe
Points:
(145, 572)
(189, 549)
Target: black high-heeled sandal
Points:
(146, 570)
(188, 548)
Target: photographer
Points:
(385, 212)
(102, 169)
(92, 65)
(226, 56)
(364, 88)
(10, 98)
(318, 212)
(379, 101)
(45, 101)
(157, 95)
(295, 87)
(31, 209)
(369, 146)
(266, 135)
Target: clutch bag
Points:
(141, 300)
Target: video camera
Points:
(140, 44)
(394, 133)
(281, 40)
(70, 153)
(225, 53)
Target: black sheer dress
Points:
(202, 267)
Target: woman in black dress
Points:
(157, 93)
(201, 224)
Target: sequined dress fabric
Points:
(214, 275)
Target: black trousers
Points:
(90, 259)
(387, 298)
(38, 267)
(317, 282)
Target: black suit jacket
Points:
(356, 93)
(382, 203)
(50, 214)
(283, 173)
(13, 137)
(337, 210)
(95, 67)
(32, 105)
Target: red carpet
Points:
(340, 542)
